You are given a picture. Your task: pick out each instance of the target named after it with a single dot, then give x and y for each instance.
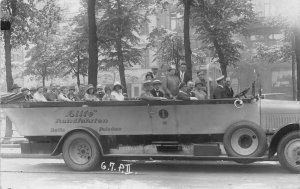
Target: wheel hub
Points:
(244, 141)
(292, 152)
(80, 151)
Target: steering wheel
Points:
(243, 93)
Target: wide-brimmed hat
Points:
(147, 82)
(117, 84)
(172, 67)
(72, 88)
(157, 81)
(15, 86)
(220, 78)
(90, 86)
(63, 87)
(99, 86)
(24, 89)
(32, 89)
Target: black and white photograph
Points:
(150, 94)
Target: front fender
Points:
(90, 131)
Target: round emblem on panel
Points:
(163, 113)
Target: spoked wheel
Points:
(81, 152)
(245, 140)
(289, 151)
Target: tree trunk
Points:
(7, 48)
(294, 70)
(121, 64)
(297, 53)
(78, 70)
(93, 49)
(187, 43)
(222, 61)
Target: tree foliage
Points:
(118, 32)
(168, 46)
(218, 22)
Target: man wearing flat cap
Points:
(156, 92)
(219, 91)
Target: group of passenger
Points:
(66, 93)
(159, 84)
(168, 83)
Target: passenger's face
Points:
(147, 87)
(172, 71)
(40, 90)
(65, 91)
(227, 83)
(148, 77)
(154, 71)
(91, 91)
(26, 92)
(183, 68)
(71, 91)
(156, 86)
(201, 75)
(185, 88)
(190, 86)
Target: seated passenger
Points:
(27, 96)
(52, 95)
(199, 90)
(99, 92)
(117, 92)
(107, 95)
(147, 95)
(63, 96)
(89, 94)
(190, 88)
(156, 92)
(39, 95)
(72, 96)
(81, 92)
(183, 93)
(228, 89)
(219, 91)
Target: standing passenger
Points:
(219, 92)
(154, 70)
(117, 92)
(228, 89)
(170, 84)
(182, 71)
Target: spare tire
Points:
(245, 139)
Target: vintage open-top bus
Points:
(86, 133)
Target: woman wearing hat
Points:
(90, 94)
(107, 96)
(39, 95)
(147, 95)
(117, 92)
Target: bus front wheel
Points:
(81, 152)
(289, 151)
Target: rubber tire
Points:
(280, 151)
(262, 141)
(94, 161)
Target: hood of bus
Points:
(278, 113)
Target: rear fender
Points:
(90, 131)
(278, 136)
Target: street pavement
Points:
(18, 173)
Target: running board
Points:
(184, 157)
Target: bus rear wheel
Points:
(81, 152)
(288, 152)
